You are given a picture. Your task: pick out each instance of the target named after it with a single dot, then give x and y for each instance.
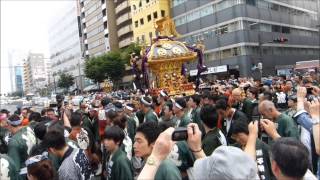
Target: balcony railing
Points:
(122, 6)
(124, 30)
(123, 18)
(125, 42)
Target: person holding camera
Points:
(237, 164)
(289, 157)
(286, 126)
(144, 147)
(240, 134)
(308, 116)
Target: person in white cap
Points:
(132, 120)
(182, 117)
(146, 104)
(163, 98)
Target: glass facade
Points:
(297, 15)
(238, 35)
(64, 41)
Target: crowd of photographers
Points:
(230, 129)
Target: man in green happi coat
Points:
(117, 164)
(146, 104)
(179, 107)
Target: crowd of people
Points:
(229, 129)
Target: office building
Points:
(35, 73)
(144, 15)
(123, 22)
(15, 56)
(241, 33)
(98, 27)
(18, 78)
(65, 43)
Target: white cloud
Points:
(24, 26)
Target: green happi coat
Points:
(150, 116)
(247, 108)
(20, 146)
(4, 134)
(195, 117)
(211, 141)
(181, 156)
(92, 125)
(287, 126)
(183, 121)
(8, 169)
(131, 127)
(119, 167)
(167, 170)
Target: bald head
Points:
(236, 94)
(236, 91)
(268, 109)
(266, 105)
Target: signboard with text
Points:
(211, 70)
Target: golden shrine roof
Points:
(167, 49)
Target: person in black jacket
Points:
(229, 115)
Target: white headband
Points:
(14, 123)
(163, 94)
(178, 105)
(129, 108)
(145, 102)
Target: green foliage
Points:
(94, 69)
(65, 81)
(114, 66)
(125, 53)
(110, 65)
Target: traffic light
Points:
(280, 40)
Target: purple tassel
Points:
(144, 69)
(183, 70)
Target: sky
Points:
(24, 28)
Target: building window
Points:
(147, 1)
(286, 30)
(134, 7)
(163, 13)
(155, 15)
(275, 7)
(150, 36)
(136, 23)
(138, 39)
(149, 17)
(140, 4)
(251, 2)
(142, 38)
(141, 21)
(275, 28)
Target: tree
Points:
(65, 81)
(94, 69)
(114, 66)
(126, 52)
